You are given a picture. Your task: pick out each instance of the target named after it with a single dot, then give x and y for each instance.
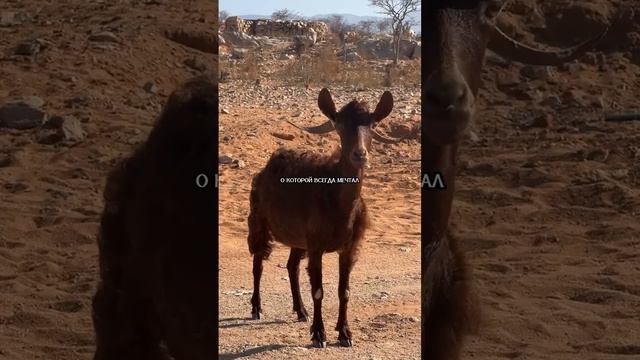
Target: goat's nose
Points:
(446, 92)
(360, 153)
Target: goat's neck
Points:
(349, 192)
(439, 159)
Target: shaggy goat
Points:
(157, 295)
(316, 217)
(455, 37)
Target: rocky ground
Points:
(99, 71)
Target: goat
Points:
(457, 32)
(157, 243)
(317, 217)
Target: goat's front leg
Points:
(318, 336)
(346, 264)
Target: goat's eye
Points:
(490, 9)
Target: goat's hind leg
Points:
(293, 266)
(260, 247)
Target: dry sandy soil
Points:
(51, 195)
(547, 214)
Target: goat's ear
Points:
(326, 105)
(384, 107)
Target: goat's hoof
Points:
(303, 316)
(256, 316)
(319, 344)
(345, 342)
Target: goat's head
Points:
(456, 36)
(354, 124)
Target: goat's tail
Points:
(259, 238)
(450, 306)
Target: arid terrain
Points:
(547, 205)
(91, 70)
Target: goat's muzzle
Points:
(448, 106)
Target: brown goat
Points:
(316, 217)
(456, 34)
(157, 294)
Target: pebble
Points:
(196, 64)
(150, 87)
(225, 159)
(59, 129)
(283, 136)
(22, 114)
(11, 18)
(105, 36)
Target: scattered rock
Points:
(59, 129)
(239, 53)
(225, 159)
(201, 40)
(224, 111)
(150, 87)
(239, 164)
(507, 80)
(196, 64)
(104, 36)
(283, 136)
(11, 18)
(30, 47)
(22, 114)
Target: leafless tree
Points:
(366, 26)
(383, 25)
(284, 14)
(223, 15)
(397, 11)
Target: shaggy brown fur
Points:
(315, 218)
(157, 292)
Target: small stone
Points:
(150, 87)
(283, 136)
(105, 36)
(239, 53)
(22, 114)
(11, 18)
(225, 159)
(225, 111)
(196, 64)
(59, 129)
(239, 164)
(507, 80)
(30, 47)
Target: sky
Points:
(305, 8)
